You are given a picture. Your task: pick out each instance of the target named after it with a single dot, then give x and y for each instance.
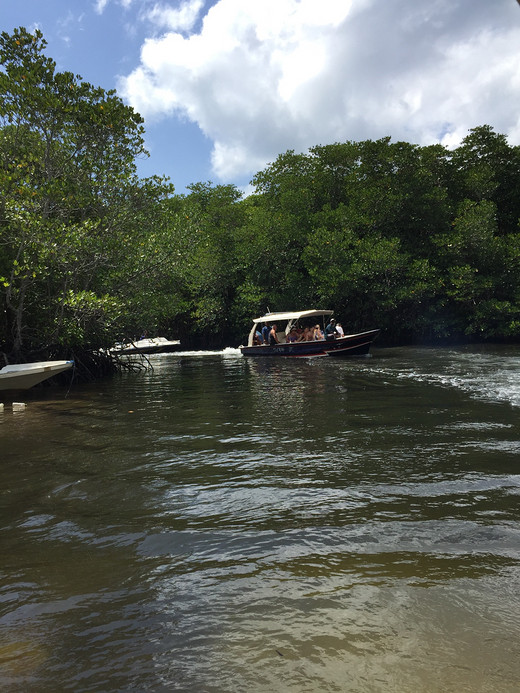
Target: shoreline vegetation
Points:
(419, 241)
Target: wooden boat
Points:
(22, 376)
(154, 345)
(357, 344)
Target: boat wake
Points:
(482, 376)
(228, 352)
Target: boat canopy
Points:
(295, 315)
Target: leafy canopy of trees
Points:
(79, 232)
(420, 241)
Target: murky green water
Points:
(226, 525)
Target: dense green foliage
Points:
(79, 232)
(419, 241)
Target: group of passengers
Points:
(269, 335)
(306, 334)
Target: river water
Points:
(222, 525)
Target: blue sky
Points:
(225, 86)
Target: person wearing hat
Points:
(331, 331)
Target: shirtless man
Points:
(273, 339)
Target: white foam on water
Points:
(482, 376)
(227, 352)
(200, 353)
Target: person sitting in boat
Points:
(273, 337)
(331, 331)
(339, 329)
(292, 336)
(304, 335)
(257, 338)
(318, 334)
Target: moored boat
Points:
(154, 345)
(22, 376)
(357, 344)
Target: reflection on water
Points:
(225, 524)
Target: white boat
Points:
(154, 345)
(357, 344)
(22, 376)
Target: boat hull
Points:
(349, 345)
(26, 375)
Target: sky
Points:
(225, 86)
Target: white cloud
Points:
(99, 6)
(262, 76)
(182, 18)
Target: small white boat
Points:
(154, 345)
(22, 376)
